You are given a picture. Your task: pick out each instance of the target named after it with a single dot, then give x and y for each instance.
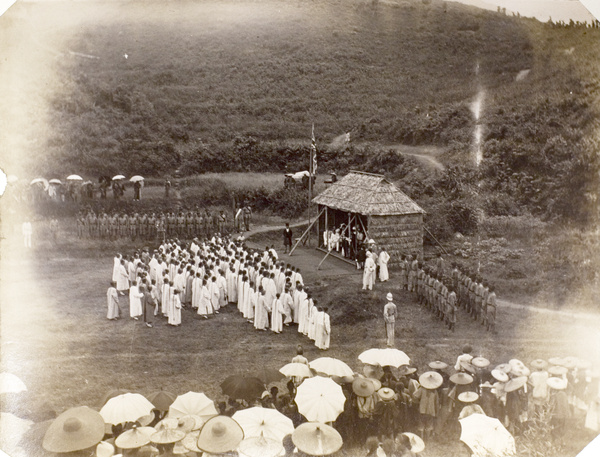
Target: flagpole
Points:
(310, 168)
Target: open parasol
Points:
(125, 408)
(135, 437)
(486, 436)
(135, 178)
(269, 375)
(242, 387)
(259, 446)
(55, 181)
(10, 383)
(118, 177)
(384, 357)
(266, 422)
(299, 370)
(162, 399)
(74, 178)
(193, 403)
(331, 367)
(42, 181)
(320, 399)
(317, 439)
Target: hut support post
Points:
(364, 229)
(435, 239)
(306, 232)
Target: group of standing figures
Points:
(206, 276)
(153, 226)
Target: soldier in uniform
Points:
(92, 224)
(161, 227)
(103, 225)
(190, 223)
(180, 224)
(133, 225)
(143, 223)
(151, 227)
(80, 224)
(247, 214)
(198, 222)
(412, 275)
(207, 222)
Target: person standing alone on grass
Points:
(389, 316)
(287, 238)
(113, 302)
(369, 272)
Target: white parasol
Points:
(300, 370)
(118, 177)
(385, 357)
(193, 403)
(74, 178)
(320, 399)
(331, 367)
(135, 178)
(266, 422)
(125, 408)
(10, 383)
(55, 181)
(486, 436)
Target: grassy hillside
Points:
(144, 87)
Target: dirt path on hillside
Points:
(426, 155)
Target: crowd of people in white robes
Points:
(207, 275)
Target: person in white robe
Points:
(123, 279)
(179, 282)
(154, 265)
(135, 301)
(303, 314)
(384, 258)
(222, 285)
(165, 297)
(323, 330)
(112, 298)
(311, 317)
(175, 314)
(240, 290)
(270, 289)
(261, 311)
(116, 267)
(204, 306)
(196, 291)
(299, 297)
(213, 288)
(276, 318)
(252, 301)
(245, 292)
(369, 272)
(287, 304)
(131, 270)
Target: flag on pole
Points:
(313, 147)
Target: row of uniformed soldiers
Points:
(443, 295)
(150, 226)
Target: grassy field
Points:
(55, 335)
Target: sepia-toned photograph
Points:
(300, 228)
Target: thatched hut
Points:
(368, 206)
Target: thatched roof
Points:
(368, 194)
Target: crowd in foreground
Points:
(208, 275)
(386, 412)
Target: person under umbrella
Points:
(429, 401)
